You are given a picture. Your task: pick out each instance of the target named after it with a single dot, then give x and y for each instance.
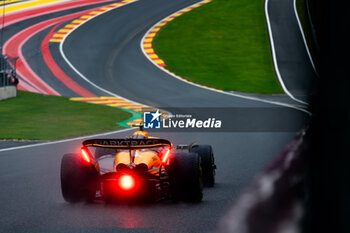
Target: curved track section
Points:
(292, 64)
(120, 66)
(21, 27)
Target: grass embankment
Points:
(222, 44)
(38, 117)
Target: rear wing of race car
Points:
(128, 144)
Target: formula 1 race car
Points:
(137, 168)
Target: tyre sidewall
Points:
(185, 176)
(208, 164)
(79, 181)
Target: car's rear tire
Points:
(79, 181)
(185, 174)
(208, 163)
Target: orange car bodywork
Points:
(148, 157)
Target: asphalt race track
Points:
(293, 61)
(107, 51)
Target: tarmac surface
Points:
(107, 51)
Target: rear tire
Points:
(185, 174)
(208, 163)
(79, 181)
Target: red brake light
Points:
(86, 155)
(127, 182)
(166, 156)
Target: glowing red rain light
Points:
(126, 182)
(166, 156)
(85, 155)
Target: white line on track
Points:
(274, 55)
(216, 90)
(113, 94)
(91, 83)
(303, 35)
(65, 140)
(77, 71)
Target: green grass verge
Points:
(222, 44)
(38, 117)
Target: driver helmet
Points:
(140, 135)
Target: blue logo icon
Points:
(151, 120)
